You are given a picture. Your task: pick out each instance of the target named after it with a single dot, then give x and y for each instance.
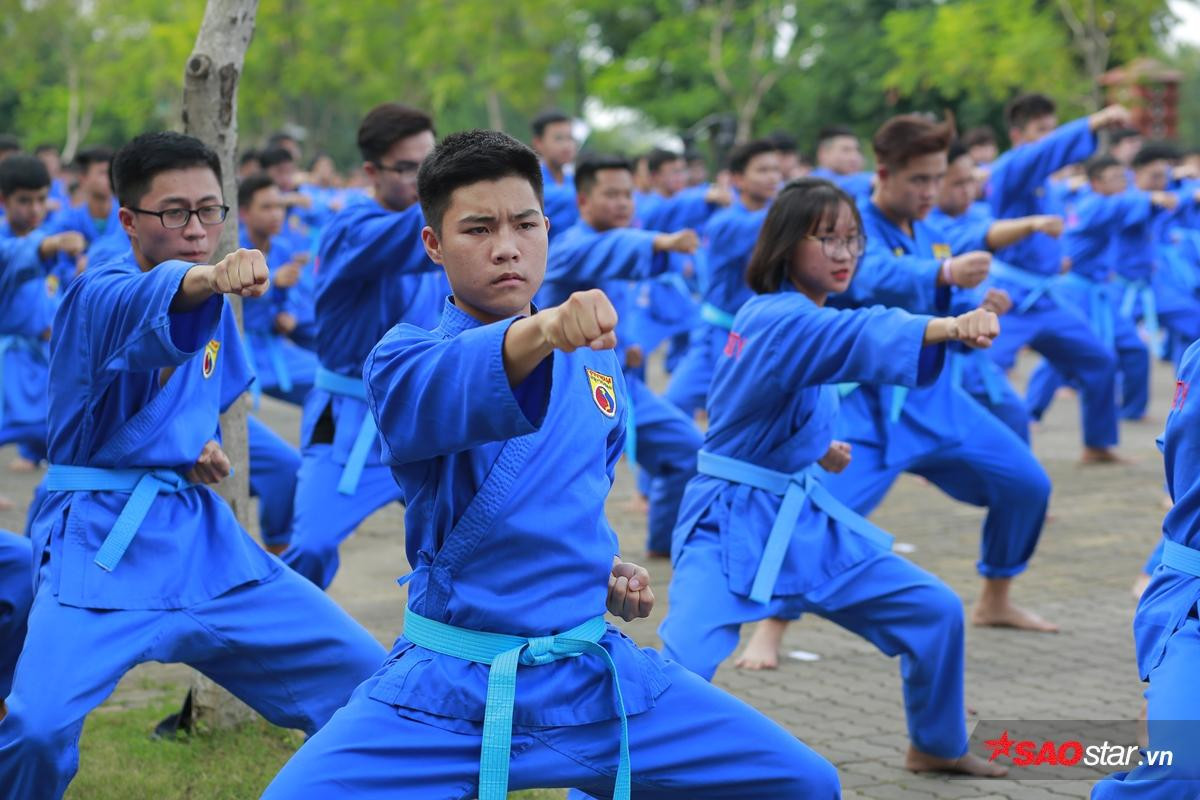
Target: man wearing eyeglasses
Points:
(135, 558)
(371, 274)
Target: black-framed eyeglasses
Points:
(853, 245)
(407, 169)
(174, 218)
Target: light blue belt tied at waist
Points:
(1036, 284)
(715, 316)
(1181, 557)
(1141, 289)
(989, 373)
(1101, 313)
(269, 343)
(503, 653)
(143, 485)
(330, 381)
(794, 488)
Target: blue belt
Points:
(1035, 283)
(1141, 289)
(1181, 557)
(1101, 313)
(896, 397)
(332, 382)
(715, 316)
(283, 375)
(143, 485)
(794, 488)
(989, 373)
(503, 653)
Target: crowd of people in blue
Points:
(467, 331)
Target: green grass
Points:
(119, 760)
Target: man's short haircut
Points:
(388, 123)
(312, 162)
(657, 158)
(277, 139)
(252, 185)
(23, 172)
(248, 156)
(9, 143)
(1095, 167)
(978, 137)
(545, 120)
(135, 165)
(784, 142)
(274, 156)
(1025, 108)
(741, 155)
(45, 147)
(93, 155)
(1121, 134)
(588, 166)
(958, 149)
(1155, 151)
(908, 136)
(834, 132)
(692, 156)
(470, 157)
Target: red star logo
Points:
(1001, 746)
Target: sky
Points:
(1187, 30)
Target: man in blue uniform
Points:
(505, 429)
(1027, 269)
(372, 273)
(16, 595)
(30, 290)
(96, 216)
(728, 239)
(554, 142)
(840, 160)
(136, 558)
(629, 265)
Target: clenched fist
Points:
(242, 272)
(976, 328)
(586, 319)
(969, 269)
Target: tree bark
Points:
(210, 114)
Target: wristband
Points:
(947, 278)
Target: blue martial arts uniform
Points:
(857, 184)
(137, 564)
(506, 533)
(1041, 318)
(976, 372)
(1166, 627)
(559, 203)
(282, 368)
(372, 272)
(666, 438)
(726, 245)
(16, 595)
(1149, 291)
(939, 432)
(688, 208)
(29, 298)
(1090, 242)
(743, 553)
(95, 231)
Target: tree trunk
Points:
(210, 114)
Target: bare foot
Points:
(1101, 455)
(21, 464)
(1139, 585)
(275, 549)
(966, 764)
(1010, 616)
(1166, 504)
(6, 504)
(658, 555)
(762, 651)
(638, 504)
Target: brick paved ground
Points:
(847, 705)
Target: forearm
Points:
(525, 346)
(194, 289)
(1005, 232)
(941, 330)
